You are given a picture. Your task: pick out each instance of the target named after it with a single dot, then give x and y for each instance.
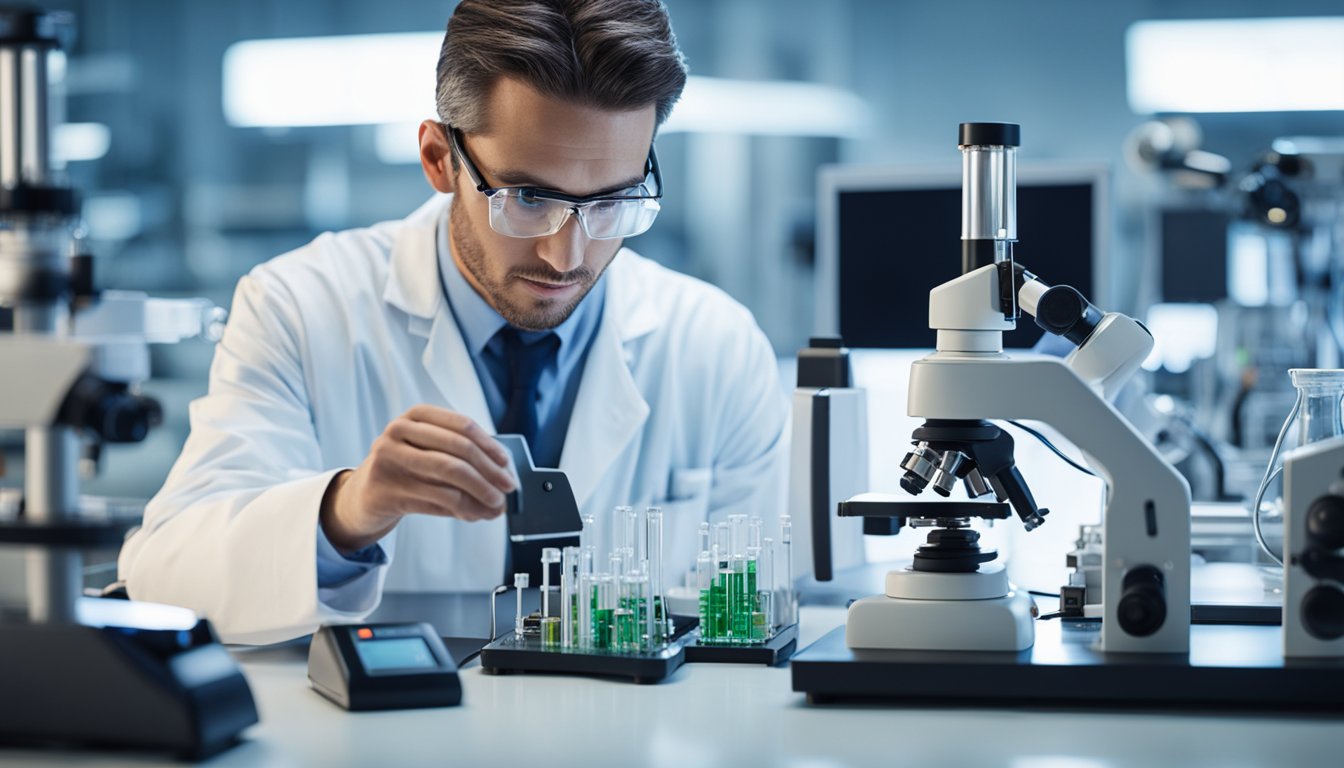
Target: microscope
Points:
(84, 671)
(954, 596)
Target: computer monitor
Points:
(886, 236)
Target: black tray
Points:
(774, 652)
(513, 654)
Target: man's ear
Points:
(436, 157)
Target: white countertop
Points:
(720, 715)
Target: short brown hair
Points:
(612, 54)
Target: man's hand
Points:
(428, 461)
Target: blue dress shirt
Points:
(479, 323)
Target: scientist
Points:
(345, 446)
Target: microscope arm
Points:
(1147, 508)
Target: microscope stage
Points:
(1229, 666)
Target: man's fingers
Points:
(442, 470)
(451, 502)
(456, 422)
(431, 437)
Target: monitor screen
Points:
(893, 243)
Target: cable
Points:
(1052, 447)
(1272, 472)
(1041, 593)
(501, 589)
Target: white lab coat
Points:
(679, 405)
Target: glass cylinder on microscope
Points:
(656, 625)
(604, 610)
(588, 533)
(569, 590)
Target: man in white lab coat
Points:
(345, 444)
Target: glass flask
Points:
(1317, 414)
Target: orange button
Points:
(364, 633)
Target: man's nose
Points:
(564, 250)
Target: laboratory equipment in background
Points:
(1259, 251)
(81, 671)
(1315, 416)
(873, 299)
(828, 460)
(363, 667)
(1313, 592)
(1143, 649)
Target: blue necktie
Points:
(526, 360)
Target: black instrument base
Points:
(513, 654)
(1228, 667)
(93, 687)
(771, 653)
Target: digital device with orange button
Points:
(383, 666)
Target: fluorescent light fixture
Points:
(338, 80)
(1182, 334)
(1236, 65)
(768, 108)
(386, 79)
(74, 142)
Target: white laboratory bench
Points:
(721, 715)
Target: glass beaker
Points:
(1318, 415)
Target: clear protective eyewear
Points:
(538, 212)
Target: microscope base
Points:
(1228, 667)
(1004, 623)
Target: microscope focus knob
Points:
(1143, 602)
(1323, 612)
(1063, 311)
(1325, 522)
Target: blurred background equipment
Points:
(77, 670)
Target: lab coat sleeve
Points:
(233, 533)
(751, 459)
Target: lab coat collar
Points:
(609, 409)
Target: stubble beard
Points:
(538, 314)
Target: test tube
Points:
(631, 543)
(588, 533)
(653, 548)
(604, 610)
(586, 597)
(704, 578)
(569, 590)
(519, 584)
(754, 532)
(632, 612)
(550, 625)
(786, 540)
(722, 602)
(767, 584)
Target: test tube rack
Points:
(610, 622)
